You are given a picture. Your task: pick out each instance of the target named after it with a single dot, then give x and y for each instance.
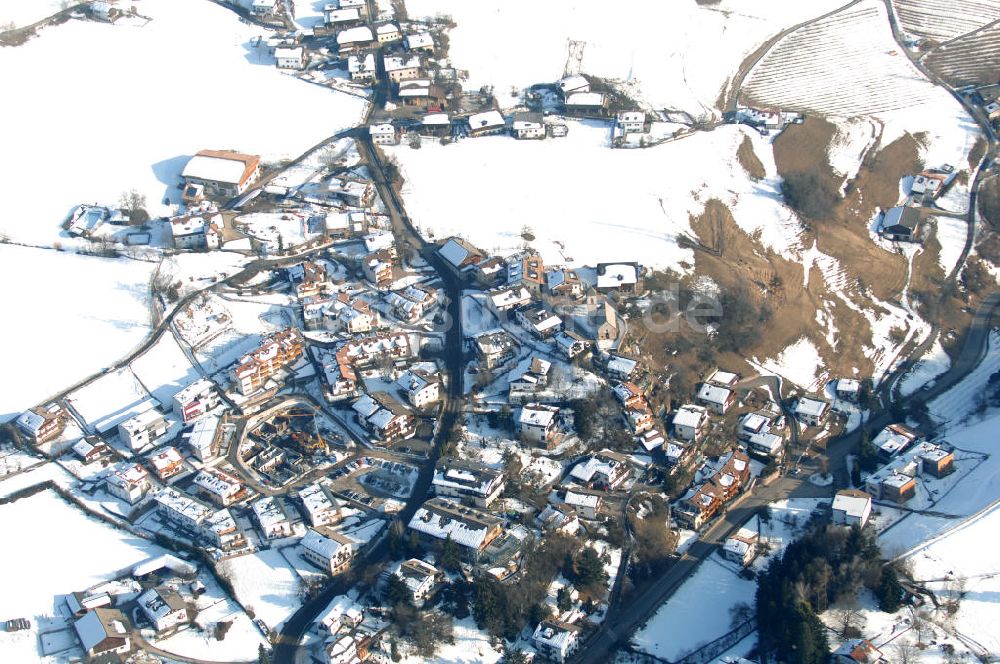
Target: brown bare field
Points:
(749, 161)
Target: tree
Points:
(262, 656)
(739, 613)
(564, 599)
(810, 195)
(850, 621)
(134, 205)
(515, 656)
(906, 653)
(396, 591)
(867, 453)
(889, 592)
(590, 572)
(451, 560)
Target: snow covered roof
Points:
(294, 53)
(365, 406)
(269, 512)
(100, 624)
(172, 563)
(754, 422)
(504, 298)
(575, 83)
(467, 527)
(723, 378)
(617, 274)
(811, 407)
(165, 459)
(219, 483)
(486, 120)
(585, 99)
(221, 166)
(466, 475)
(766, 440)
(651, 440)
(582, 499)
(632, 116)
(419, 40)
(622, 365)
(852, 502)
(848, 385)
(352, 35)
(527, 120)
(340, 607)
(894, 438)
(326, 546)
(606, 463)
(537, 415)
(436, 119)
(690, 416)
(555, 634)
(714, 394)
(452, 250)
(398, 62)
(387, 29)
(356, 65)
(195, 390)
(158, 603)
(897, 480)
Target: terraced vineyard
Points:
(942, 20)
(844, 65)
(970, 60)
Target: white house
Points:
(272, 517)
(383, 134)
(632, 121)
(220, 487)
(419, 577)
(468, 482)
(330, 551)
(422, 388)
(421, 41)
(587, 505)
(195, 400)
(556, 640)
(387, 33)
(741, 547)
(486, 123)
(264, 7)
(130, 484)
(142, 429)
(537, 423)
(399, 68)
(850, 507)
(289, 58)
(163, 607)
(690, 421)
(362, 68)
(848, 389)
(321, 507)
(605, 469)
(717, 399)
(811, 411)
(528, 125)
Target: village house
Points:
(632, 122)
(928, 185)
(556, 640)
(342, 613)
(751, 424)
(195, 400)
(205, 437)
(560, 519)
(676, 453)
(402, 68)
(690, 422)
(167, 463)
(377, 268)
(355, 39)
(182, 511)
(42, 423)
(895, 486)
(525, 269)
(605, 470)
(901, 224)
(310, 280)
(562, 282)
(460, 254)
(537, 424)
(489, 272)
(851, 507)
(342, 18)
(894, 440)
(715, 398)
(651, 440)
(621, 367)
(848, 389)
(163, 608)
(531, 381)
(275, 352)
(219, 486)
(321, 507)
(486, 123)
(857, 651)
(618, 277)
(383, 134)
(440, 519)
(538, 320)
(143, 429)
(936, 461)
(328, 550)
(362, 68)
(355, 192)
(422, 93)
(741, 547)
(79, 603)
(130, 484)
(570, 343)
(290, 58)
(527, 125)
(103, 631)
(508, 298)
(705, 501)
(420, 578)
(420, 41)
(437, 125)
(385, 417)
(421, 388)
(586, 104)
(572, 84)
(811, 412)
(587, 505)
(223, 532)
(766, 446)
(196, 231)
(494, 348)
(388, 33)
(467, 482)
(90, 450)
(222, 172)
(272, 516)
(639, 418)
(264, 7)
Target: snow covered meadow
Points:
(75, 315)
(155, 94)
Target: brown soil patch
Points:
(802, 148)
(749, 161)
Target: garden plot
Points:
(183, 109)
(79, 314)
(265, 584)
(54, 565)
(635, 206)
(941, 20)
(675, 55)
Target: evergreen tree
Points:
(589, 570)
(396, 591)
(867, 453)
(262, 656)
(451, 558)
(564, 601)
(889, 591)
(515, 656)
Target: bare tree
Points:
(849, 619)
(906, 653)
(134, 204)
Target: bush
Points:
(809, 195)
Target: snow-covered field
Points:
(934, 363)
(951, 235)
(799, 363)
(471, 646)
(26, 12)
(678, 55)
(585, 203)
(186, 81)
(70, 316)
(942, 20)
(73, 554)
(959, 402)
(164, 369)
(266, 584)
